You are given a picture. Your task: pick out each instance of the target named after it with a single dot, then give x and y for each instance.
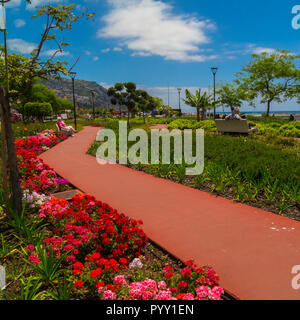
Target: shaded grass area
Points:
(262, 171)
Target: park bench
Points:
(234, 126)
(58, 130)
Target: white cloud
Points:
(95, 58)
(117, 49)
(50, 52)
(88, 53)
(149, 27)
(260, 50)
(24, 47)
(105, 50)
(35, 3)
(21, 46)
(19, 23)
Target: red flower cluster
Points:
(85, 222)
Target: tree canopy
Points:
(270, 77)
(199, 101)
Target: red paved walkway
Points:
(253, 251)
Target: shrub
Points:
(38, 110)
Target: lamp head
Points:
(73, 74)
(214, 70)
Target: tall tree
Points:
(60, 17)
(230, 96)
(270, 77)
(202, 102)
(124, 94)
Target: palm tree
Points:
(200, 102)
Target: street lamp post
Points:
(179, 92)
(73, 75)
(214, 71)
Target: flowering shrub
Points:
(85, 222)
(37, 176)
(34, 199)
(100, 249)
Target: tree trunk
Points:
(202, 113)
(269, 107)
(4, 164)
(198, 114)
(11, 152)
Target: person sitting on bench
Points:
(235, 114)
(62, 126)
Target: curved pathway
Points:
(253, 251)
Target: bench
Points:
(58, 130)
(234, 126)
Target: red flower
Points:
(168, 268)
(100, 284)
(95, 273)
(169, 274)
(186, 272)
(182, 284)
(77, 266)
(78, 284)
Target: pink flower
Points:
(215, 293)
(109, 295)
(148, 295)
(203, 292)
(163, 295)
(120, 280)
(30, 248)
(68, 247)
(34, 260)
(70, 258)
(162, 285)
(150, 284)
(189, 296)
(135, 293)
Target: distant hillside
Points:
(63, 89)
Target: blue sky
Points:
(160, 43)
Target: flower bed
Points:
(89, 250)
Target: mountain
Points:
(63, 89)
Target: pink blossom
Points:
(203, 292)
(189, 296)
(163, 295)
(109, 295)
(120, 280)
(162, 285)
